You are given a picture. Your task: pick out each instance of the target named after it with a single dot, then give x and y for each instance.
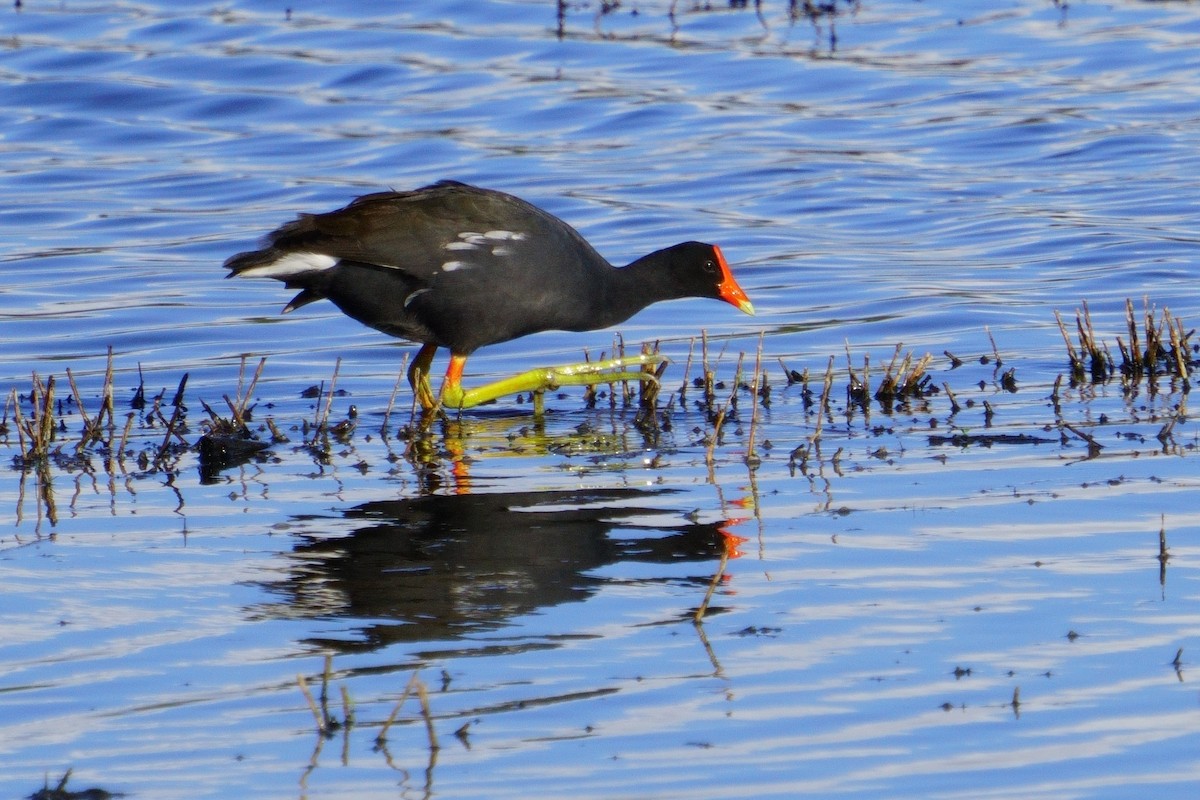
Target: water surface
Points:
(933, 604)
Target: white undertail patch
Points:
(290, 265)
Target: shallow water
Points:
(902, 173)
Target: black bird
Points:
(460, 267)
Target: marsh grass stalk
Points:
(1094, 447)
(324, 405)
(1098, 363)
(178, 411)
(709, 376)
(391, 404)
(239, 405)
(752, 459)
(646, 419)
(1155, 343)
(326, 723)
(1163, 557)
(36, 434)
(858, 388)
(823, 403)
(318, 718)
(702, 609)
(995, 349)
(903, 378)
(717, 424)
(955, 407)
(417, 686)
(687, 370)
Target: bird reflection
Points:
(443, 567)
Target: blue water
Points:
(916, 173)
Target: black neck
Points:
(630, 289)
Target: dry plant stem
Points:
(995, 350)
(235, 411)
(1055, 397)
(891, 372)
(702, 609)
(322, 727)
(19, 419)
(618, 352)
(1088, 341)
(387, 724)
(751, 456)
(718, 422)
(39, 428)
(687, 370)
(1093, 445)
(245, 391)
(90, 431)
(1153, 336)
(427, 715)
(323, 413)
(823, 406)
(954, 405)
(737, 380)
(858, 387)
(245, 396)
(46, 432)
(277, 435)
(710, 393)
(912, 383)
(176, 415)
(387, 413)
(1179, 348)
(1135, 349)
(118, 453)
(1072, 353)
(109, 405)
(347, 706)
(1164, 433)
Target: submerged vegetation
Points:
(49, 431)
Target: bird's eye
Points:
(710, 266)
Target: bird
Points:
(456, 266)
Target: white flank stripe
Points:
(291, 265)
(450, 266)
(414, 296)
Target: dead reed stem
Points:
(387, 413)
(702, 609)
(752, 458)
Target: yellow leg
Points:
(418, 377)
(589, 373)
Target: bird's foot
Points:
(423, 392)
(543, 379)
(418, 378)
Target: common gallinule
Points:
(456, 266)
